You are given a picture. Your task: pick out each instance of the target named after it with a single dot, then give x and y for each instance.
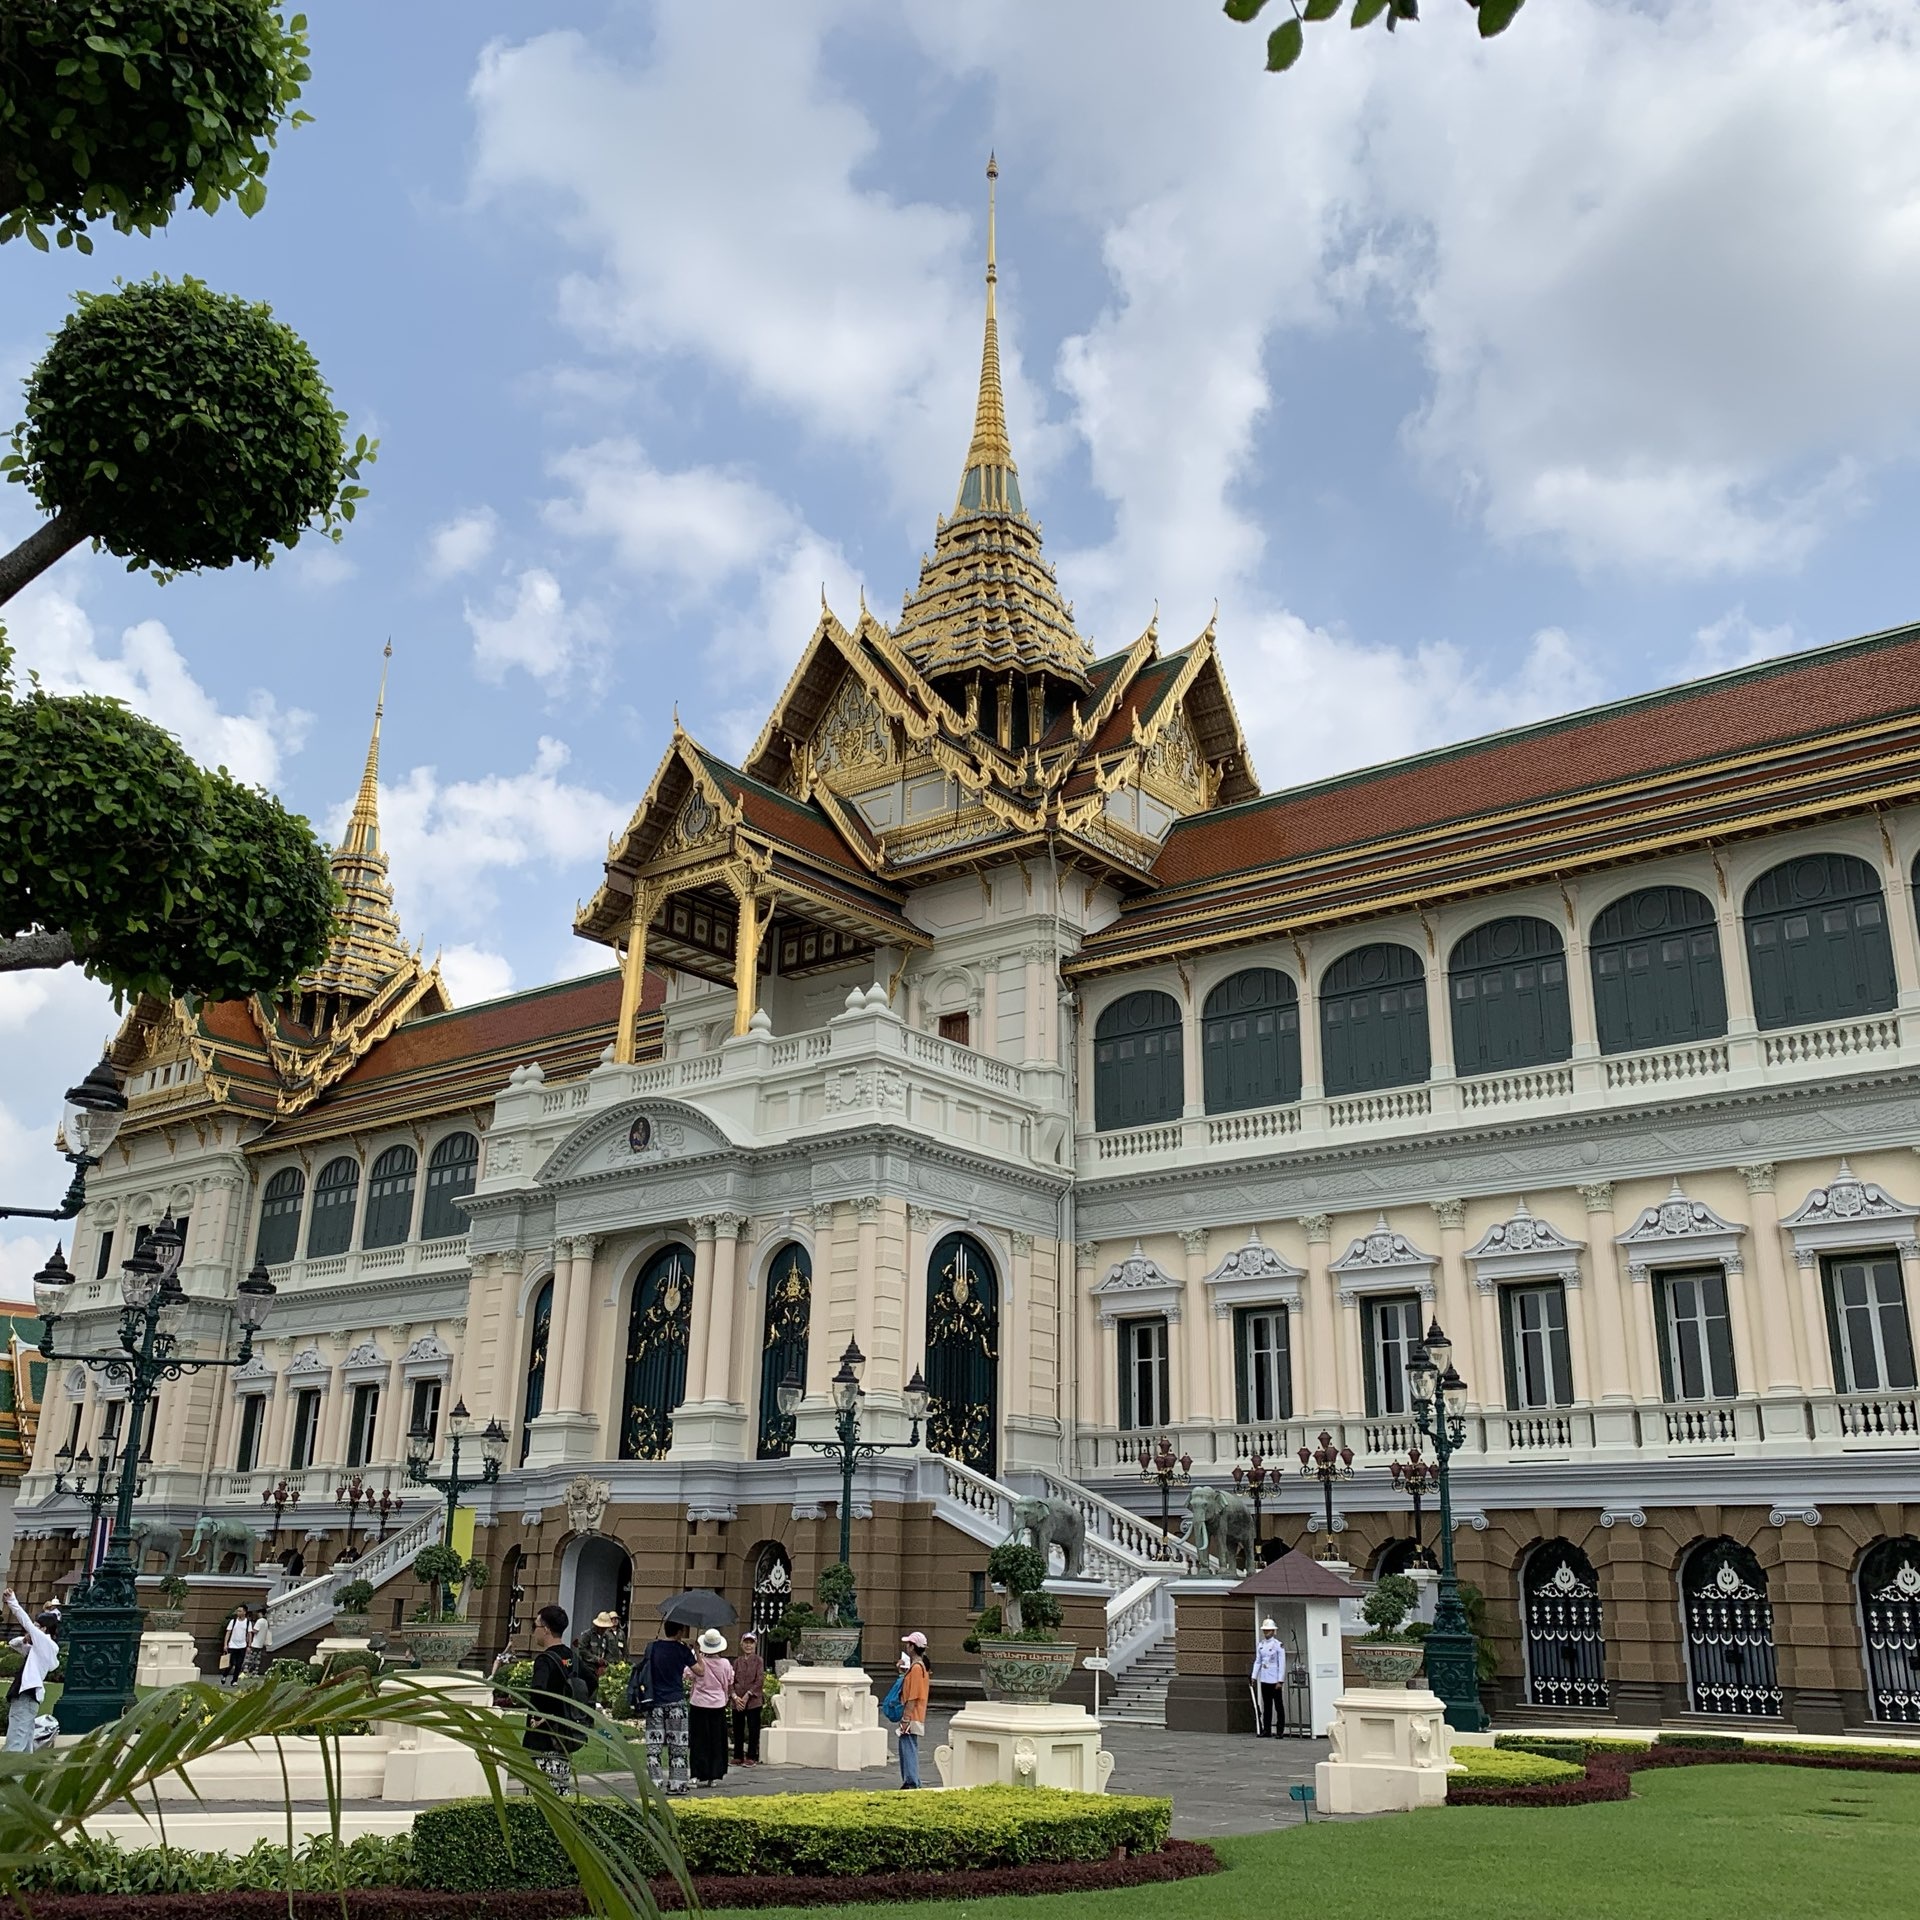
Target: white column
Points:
(725, 1284)
(1196, 1333)
(823, 1356)
(390, 1420)
(1018, 1320)
(578, 1281)
(704, 1230)
(1312, 1072)
(1733, 956)
(327, 1452)
(1606, 1302)
(1456, 1316)
(1783, 1368)
(1439, 1014)
(1901, 923)
(1324, 1325)
(1586, 1034)
(1087, 1399)
(557, 1324)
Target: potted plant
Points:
(351, 1620)
(1024, 1662)
(827, 1635)
(1389, 1656)
(439, 1635)
(171, 1615)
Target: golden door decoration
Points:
(963, 1353)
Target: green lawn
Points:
(1784, 1841)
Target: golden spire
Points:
(991, 481)
(363, 824)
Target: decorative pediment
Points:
(307, 1361)
(1382, 1261)
(1679, 1231)
(366, 1357)
(1524, 1248)
(1849, 1214)
(1253, 1275)
(254, 1372)
(428, 1351)
(630, 1139)
(854, 735)
(1137, 1285)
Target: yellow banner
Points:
(462, 1541)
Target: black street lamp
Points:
(1254, 1480)
(279, 1497)
(1327, 1463)
(1416, 1476)
(1439, 1406)
(103, 1626)
(92, 1116)
(452, 1483)
(847, 1446)
(388, 1503)
(96, 1496)
(1160, 1468)
(353, 1495)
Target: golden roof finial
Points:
(989, 483)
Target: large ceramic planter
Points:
(828, 1646)
(1387, 1663)
(440, 1646)
(1026, 1672)
(166, 1619)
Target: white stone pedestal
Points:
(828, 1718)
(166, 1660)
(422, 1765)
(1390, 1752)
(997, 1743)
(340, 1643)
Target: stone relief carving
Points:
(429, 1347)
(585, 1499)
(1138, 1284)
(853, 732)
(1678, 1226)
(849, 1088)
(697, 822)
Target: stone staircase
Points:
(1140, 1697)
(306, 1611)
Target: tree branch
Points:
(35, 950)
(50, 541)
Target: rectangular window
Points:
(426, 1412)
(1867, 1323)
(361, 1415)
(1143, 1373)
(1696, 1335)
(976, 1592)
(73, 1428)
(104, 1259)
(253, 1423)
(1392, 1329)
(1262, 1364)
(1533, 1329)
(306, 1427)
(111, 1417)
(956, 1027)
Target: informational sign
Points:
(1096, 1663)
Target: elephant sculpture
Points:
(156, 1536)
(219, 1539)
(1053, 1523)
(1220, 1527)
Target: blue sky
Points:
(1474, 382)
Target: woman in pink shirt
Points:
(711, 1684)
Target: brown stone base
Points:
(1208, 1703)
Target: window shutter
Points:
(1562, 1350)
(1242, 1360)
(1663, 1330)
(1719, 1337)
(1373, 1355)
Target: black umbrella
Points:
(699, 1607)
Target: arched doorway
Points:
(1560, 1617)
(1396, 1556)
(596, 1576)
(783, 1348)
(658, 1328)
(772, 1590)
(1729, 1620)
(963, 1353)
(1889, 1581)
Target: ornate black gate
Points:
(789, 1301)
(1730, 1663)
(656, 1377)
(772, 1590)
(963, 1353)
(1566, 1650)
(1890, 1617)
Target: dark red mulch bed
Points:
(1609, 1775)
(1178, 1860)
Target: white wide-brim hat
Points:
(713, 1641)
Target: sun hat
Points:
(1267, 1626)
(749, 1635)
(914, 1640)
(607, 1619)
(713, 1641)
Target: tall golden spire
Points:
(991, 481)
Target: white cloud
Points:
(319, 564)
(474, 973)
(462, 543)
(54, 637)
(1734, 641)
(530, 626)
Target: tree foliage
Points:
(156, 875)
(181, 429)
(1288, 40)
(111, 109)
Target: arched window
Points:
(1566, 1646)
(1817, 945)
(1730, 1658)
(1656, 971)
(330, 1227)
(783, 1347)
(279, 1237)
(963, 1353)
(1373, 1020)
(1136, 1062)
(535, 1396)
(390, 1198)
(452, 1167)
(1889, 1583)
(1508, 981)
(658, 1328)
(1250, 1041)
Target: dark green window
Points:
(1145, 1384)
(1508, 983)
(783, 1344)
(279, 1236)
(1533, 1339)
(658, 1330)
(1391, 1327)
(253, 1427)
(1817, 944)
(536, 1394)
(1696, 1335)
(451, 1169)
(1250, 1041)
(1656, 971)
(1262, 1364)
(1136, 1062)
(1373, 1020)
(330, 1229)
(963, 1353)
(390, 1198)
(1867, 1323)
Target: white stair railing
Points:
(301, 1610)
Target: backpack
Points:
(571, 1718)
(640, 1688)
(893, 1706)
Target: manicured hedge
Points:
(459, 1847)
(1510, 1768)
(363, 1903)
(1609, 1771)
(84, 1865)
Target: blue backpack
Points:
(891, 1707)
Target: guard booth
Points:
(1302, 1598)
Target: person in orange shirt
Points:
(914, 1687)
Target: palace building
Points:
(990, 1017)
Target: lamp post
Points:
(103, 1626)
(1255, 1479)
(353, 1495)
(453, 1483)
(66, 1462)
(1327, 1463)
(88, 1123)
(388, 1503)
(279, 1497)
(1159, 1467)
(846, 1446)
(1439, 1406)
(1416, 1476)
